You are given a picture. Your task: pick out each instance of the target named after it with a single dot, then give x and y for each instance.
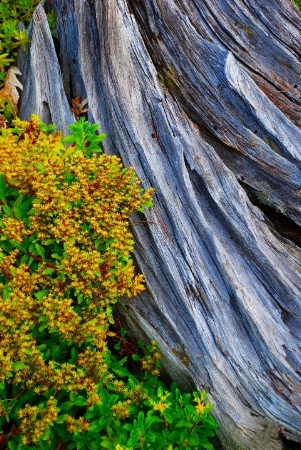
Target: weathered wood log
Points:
(199, 96)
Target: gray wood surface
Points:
(199, 95)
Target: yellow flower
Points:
(200, 406)
(83, 204)
(160, 406)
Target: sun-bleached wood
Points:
(198, 96)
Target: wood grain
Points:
(186, 92)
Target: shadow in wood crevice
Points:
(45, 114)
(290, 442)
(277, 221)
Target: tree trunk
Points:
(202, 97)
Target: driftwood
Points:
(199, 96)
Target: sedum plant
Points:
(15, 17)
(14, 35)
(65, 259)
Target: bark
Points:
(199, 96)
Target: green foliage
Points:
(65, 259)
(7, 110)
(13, 36)
(297, 3)
(84, 138)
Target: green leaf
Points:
(56, 352)
(204, 443)
(66, 406)
(18, 245)
(2, 184)
(95, 444)
(165, 433)
(74, 356)
(174, 436)
(40, 250)
(107, 444)
(26, 206)
(48, 241)
(80, 444)
(17, 207)
(134, 439)
(117, 346)
(69, 139)
(6, 292)
(122, 372)
(140, 419)
(8, 212)
(61, 431)
(18, 365)
(98, 425)
(30, 261)
(183, 435)
(150, 437)
(40, 166)
(193, 439)
(80, 401)
(183, 423)
(2, 195)
(46, 128)
(168, 417)
(62, 418)
(24, 259)
(56, 256)
(48, 271)
(39, 295)
(161, 443)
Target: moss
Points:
(271, 144)
(250, 31)
(168, 78)
(182, 356)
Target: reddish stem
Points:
(53, 165)
(192, 428)
(40, 260)
(124, 344)
(164, 422)
(11, 185)
(7, 278)
(15, 187)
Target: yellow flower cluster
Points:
(35, 421)
(87, 212)
(161, 405)
(77, 425)
(118, 447)
(202, 405)
(82, 206)
(136, 394)
(121, 409)
(150, 361)
(13, 228)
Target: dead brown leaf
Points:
(10, 91)
(3, 122)
(77, 106)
